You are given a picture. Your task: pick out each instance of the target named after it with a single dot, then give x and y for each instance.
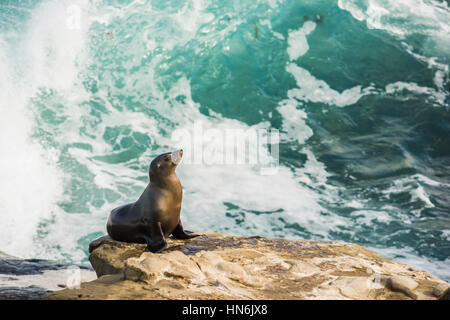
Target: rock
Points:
(219, 266)
(150, 267)
(403, 284)
(23, 293)
(98, 242)
(439, 289)
(18, 266)
(445, 295)
(111, 256)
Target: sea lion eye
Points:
(167, 159)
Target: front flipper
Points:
(179, 233)
(157, 242)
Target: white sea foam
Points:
(314, 90)
(402, 17)
(368, 217)
(297, 43)
(192, 16)
(310, 88)
(294, 126)
(45, 55)
(409, 257)
(411, 17)
(399, 89)
(429, 181)
(441, 72)
(413, 186)
(266, 22)
(51, 48)
(31, 182)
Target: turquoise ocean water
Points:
(359, 90)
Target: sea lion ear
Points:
(158, 165)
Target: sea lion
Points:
(156, 214)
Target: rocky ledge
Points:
(219, 266)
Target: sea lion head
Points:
(165, 164)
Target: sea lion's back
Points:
(117, 217)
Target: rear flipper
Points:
(179, 233)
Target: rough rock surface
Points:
(218, 266)
(441, 289)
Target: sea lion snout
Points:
(176, 156)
